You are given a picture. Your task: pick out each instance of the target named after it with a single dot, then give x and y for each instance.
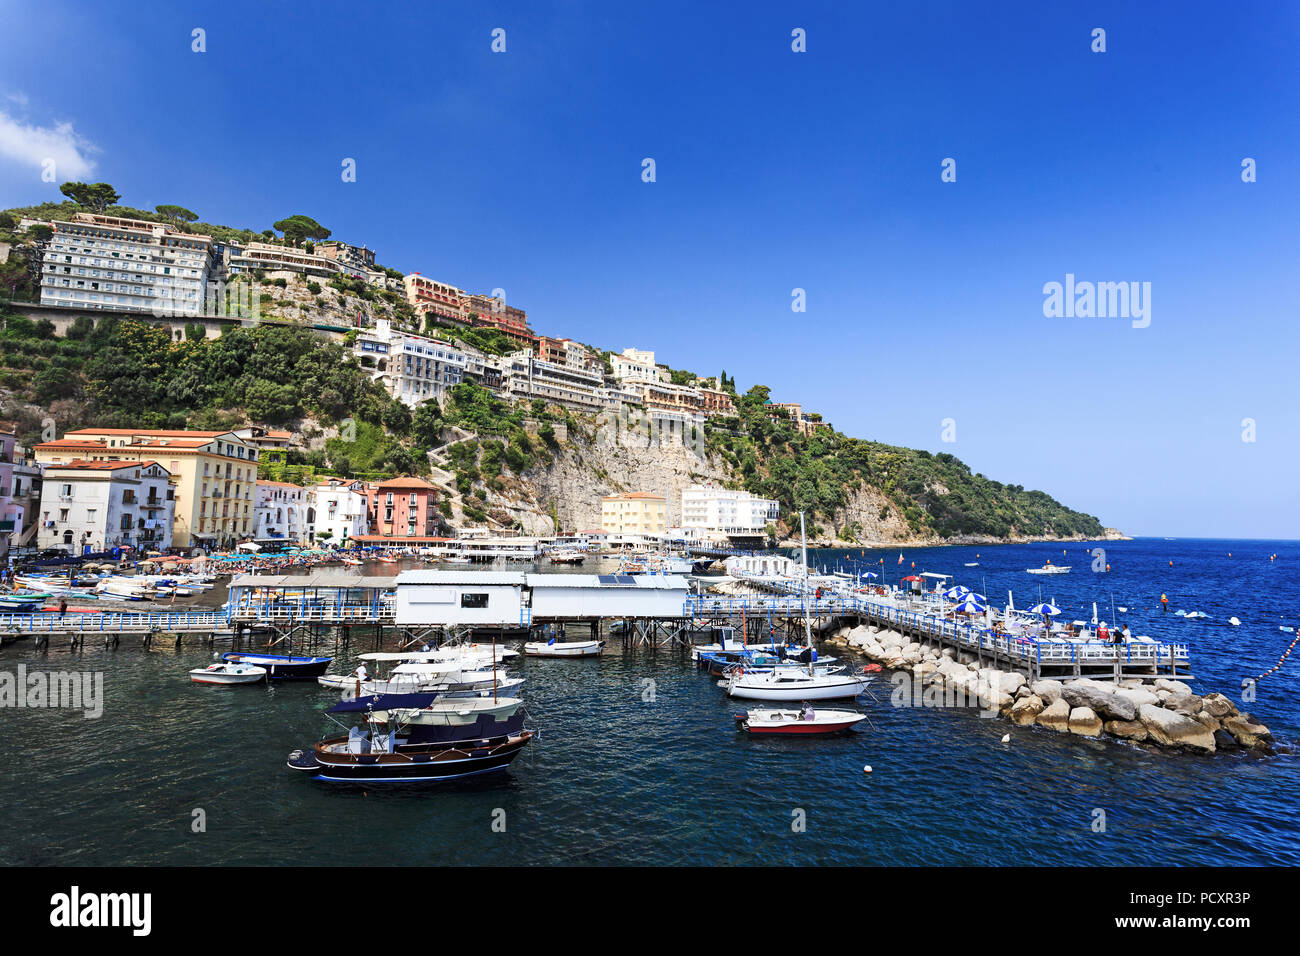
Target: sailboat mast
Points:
(807, 621)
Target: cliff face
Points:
(612, 460)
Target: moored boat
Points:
(555, 648)
(282, 666)
(801, 722)
(226, 672)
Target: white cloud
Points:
(19, 97)
(35, 145)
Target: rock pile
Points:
(1162, 713)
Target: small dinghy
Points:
(1050, 569)
(807, 722)
(225, 672)
(563, 648)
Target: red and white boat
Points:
(805, 721)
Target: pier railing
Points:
(114, 621)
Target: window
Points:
(473, 600)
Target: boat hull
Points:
(565, 649)
(794, 691)
(283, 667)
(466, 760)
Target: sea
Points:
(639, 762)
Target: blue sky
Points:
(775, 170)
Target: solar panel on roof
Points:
(625, 579)
(607, 579)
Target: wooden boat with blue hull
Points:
(282, 666)
(416, 753)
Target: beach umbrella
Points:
(957, 593)
(913, 577)
(970, 606)
(1047, 609)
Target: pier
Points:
(306, 610)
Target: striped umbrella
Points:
(1050, 609)
(957, 593)
(970, 606)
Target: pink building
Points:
(401, 511)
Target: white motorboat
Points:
(1049, 569)
(805, 721)
(564, 648)
(226, 672)
(456, 711)
(789, 683)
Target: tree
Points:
(94, 196)
(178, 216)
(298, 228)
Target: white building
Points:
(637, 365)
(340, 512)
(526, 376)
(726, 511)
(98, 505)
(412, 368)
(284, 512)
(126, 265)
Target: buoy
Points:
(867, 769)
(1233, 621)
(1006, 738)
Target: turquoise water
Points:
(617, 778)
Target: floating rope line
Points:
(1280, 660)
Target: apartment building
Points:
(804, 422)
(126, 265)
(727, 511)
(566, 352)
(528, 377)
(100, 505)
(215, 474)
(488, 312)
(637, 512)
(274, 257)
(356, 260)
(637, 365)
(413, 368)
(435, 299)
(283, 512)
(272, 444)
(341, 512)
(401, 510)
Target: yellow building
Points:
(637, 512)
(214, 474)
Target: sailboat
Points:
(791, 683)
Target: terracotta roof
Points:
(147, 432)
(405, 482)
(81, 464)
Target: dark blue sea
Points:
(639, 761)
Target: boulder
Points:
(1023, 691)
(1026, 710)
(1175, 730)
(1247, 731)
(1138, 695)
(1207, 720)
(1084, 722)
(1128, 729)
(1056, 716)
(1049, 690)
(1186, 704)
(1173, 686)
(1217, 705)
(1099, 700)
(1224, 740)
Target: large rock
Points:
(1187, 704)
(1099, 700)
(1056, 716)
(1175, 730)
(1247, 731)
(1133, 730)
(1138, 695)
(1049, 690)
(1206, 720)
(1216, 705)
(1173, 686)
(1084, 722)
(1026, 710)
